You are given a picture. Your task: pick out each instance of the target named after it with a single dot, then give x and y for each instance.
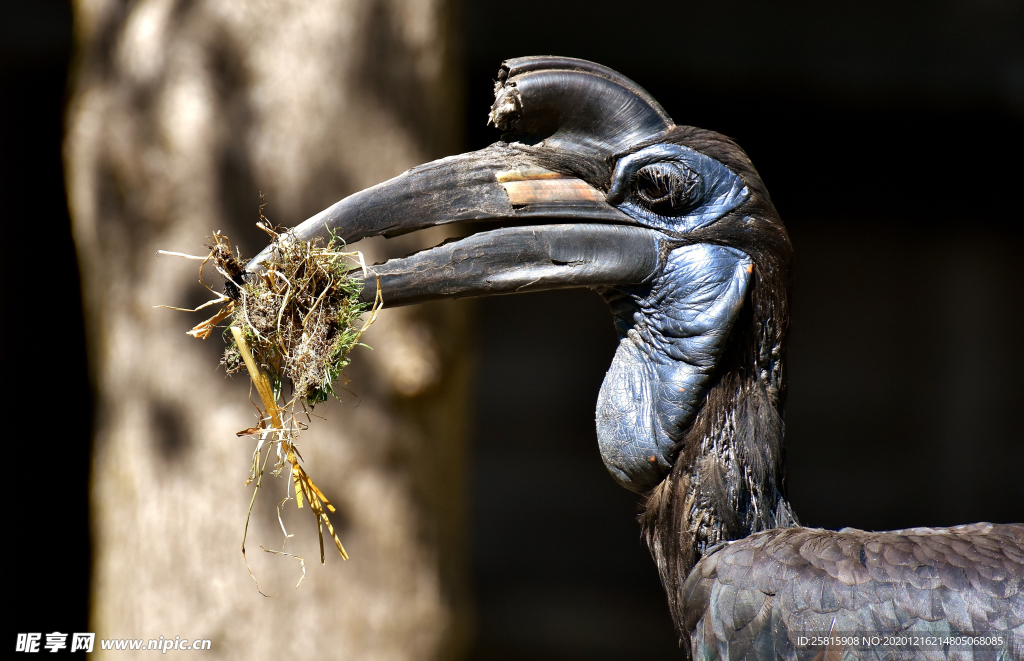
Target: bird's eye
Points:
(667, 188)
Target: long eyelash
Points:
(667, 183)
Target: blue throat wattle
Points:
(672, 333)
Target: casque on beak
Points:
(560, 116)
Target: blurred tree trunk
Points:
(182, 112)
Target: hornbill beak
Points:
(566, 235)
(593, 187)
(557, 113)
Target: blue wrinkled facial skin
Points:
(705, 189)
(672, 336)
(672, 330)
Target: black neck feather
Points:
(729, 478)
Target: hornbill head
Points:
(595, 186)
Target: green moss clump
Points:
(300, 314)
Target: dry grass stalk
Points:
(292, 325)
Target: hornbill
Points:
(593, 185)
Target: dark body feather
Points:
(754, 598)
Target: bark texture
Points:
(181, 112)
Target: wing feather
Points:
(751, 598)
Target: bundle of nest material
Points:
(291, 325)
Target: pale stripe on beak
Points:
(539, 186)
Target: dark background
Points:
(889, 134)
